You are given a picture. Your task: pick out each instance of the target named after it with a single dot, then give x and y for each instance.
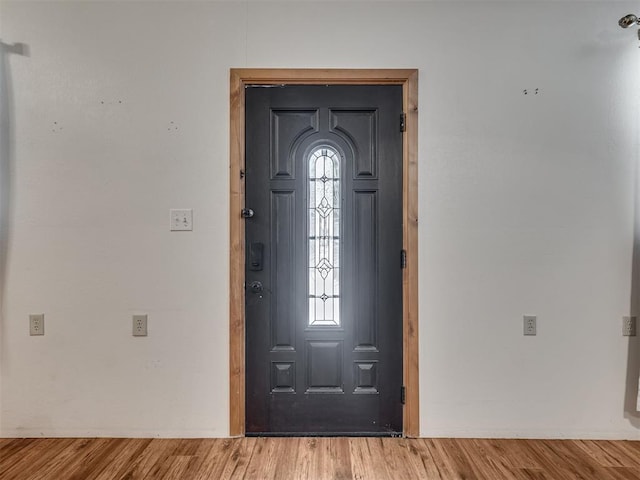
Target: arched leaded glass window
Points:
(324, 237)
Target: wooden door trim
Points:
(241, 77)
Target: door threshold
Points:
(323, 434)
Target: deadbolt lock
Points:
(256, 287)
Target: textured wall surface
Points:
(119, 111)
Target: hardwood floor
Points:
(316, 459)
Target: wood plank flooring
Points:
(317, 459)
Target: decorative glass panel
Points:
(324, 237)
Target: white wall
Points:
(120, 112)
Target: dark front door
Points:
(323, 267)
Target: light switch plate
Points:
(181, 219)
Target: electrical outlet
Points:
(530, 326)
(181, 220)
(139, 325)
(629, 326)
(36, 324)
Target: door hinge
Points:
(403, 259)
(246, 213)
(403, 395)
(403, 122)
(242, 173)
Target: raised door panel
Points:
(365, 258)
(283, 211)
(360, 129)
(288, 128)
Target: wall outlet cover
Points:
(629, 326)
(139, 325)
(530, 324)
(36, 324)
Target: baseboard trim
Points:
(541, 434)
(537, 434)
(110, 433)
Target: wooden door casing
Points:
(408, 79)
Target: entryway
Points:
(326, 292)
